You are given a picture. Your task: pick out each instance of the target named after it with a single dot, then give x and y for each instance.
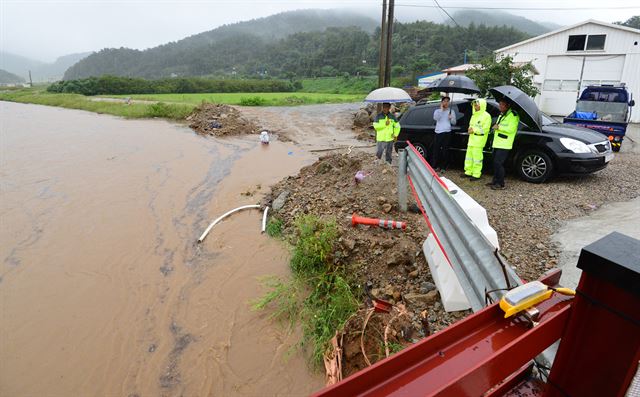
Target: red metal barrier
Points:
(601, 356)
(466, 359)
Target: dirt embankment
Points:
(220, 120)
(387, 264)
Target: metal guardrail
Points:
(478, 266)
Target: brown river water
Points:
(103, 291)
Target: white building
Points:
(569, 59)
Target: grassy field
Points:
(249, 99)
(76, 101)
(340, 85)
(171, 106)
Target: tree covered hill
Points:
(501, 18)
(40, 71)
(9, 78)
(241, 50)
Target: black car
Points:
(538, 151)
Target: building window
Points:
(576, 42)
(596, 42)
(580, 42)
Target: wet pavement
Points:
(623, 217)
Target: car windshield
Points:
(546, 119)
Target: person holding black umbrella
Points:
(444, 117)
(504, 133)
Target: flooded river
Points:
(102, 289)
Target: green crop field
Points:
(171, 106)
(117, 108)
(340, 85)
(249, 99)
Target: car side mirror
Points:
(632, 103)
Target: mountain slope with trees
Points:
(40, 71)
(9, 78)
(417, 47)
(501, 18)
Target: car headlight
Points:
(574, 145)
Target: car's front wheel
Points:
(421, 149)
(534, 166)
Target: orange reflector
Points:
(611, 137)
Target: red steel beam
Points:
(466, 359)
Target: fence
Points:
(480, 269)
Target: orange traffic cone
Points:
(387, 224)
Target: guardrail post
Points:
(402, 180)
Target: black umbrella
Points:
(454, 83)
(521, 102)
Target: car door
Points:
(460, 129)
(418, 126)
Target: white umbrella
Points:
(388, 94)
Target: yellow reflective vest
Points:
(480, 125)
(505, 134)
(384, 132)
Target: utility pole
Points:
(382, 62)
(30, 81)
(387, 69)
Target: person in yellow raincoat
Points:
(387, 129)
(479, 129)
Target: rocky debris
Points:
(220, 120)
(421, 301)
(279, 202)
(362, 118)
(389, 262)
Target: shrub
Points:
(115, 85)
(252, 101)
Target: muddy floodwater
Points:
(102, 289)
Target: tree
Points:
(633, 22)
(493, 73)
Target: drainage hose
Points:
(244, 207)
(264, 219)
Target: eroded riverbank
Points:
(102, 289)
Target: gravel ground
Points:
(525, 215)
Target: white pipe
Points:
(264, 219)
(244, 207)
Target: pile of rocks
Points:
(220, 120)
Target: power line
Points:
(445, 11)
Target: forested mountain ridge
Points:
(9, 78)
(417, 47)
(40, 71)
(501, 18)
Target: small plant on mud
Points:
(318, 296)
(314, 245)
(284, 297)
(274, 227)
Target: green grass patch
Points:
(340, 85)
(274, 227)
(318, 296)
(236, 98)
(76, 101)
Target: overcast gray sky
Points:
(46, 29)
